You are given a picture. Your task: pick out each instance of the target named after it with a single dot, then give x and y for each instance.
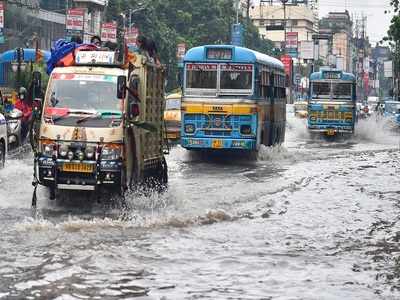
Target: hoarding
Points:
(237, 35)
(109, 32)
(287, 62)
(388, 69)
(131, 36)
(307, 49)
(75, 21)
(180, 51)
(292, 43)
(1, 22)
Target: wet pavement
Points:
(311, 219)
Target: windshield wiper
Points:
(97, 115)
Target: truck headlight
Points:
(89, 152)
(70, 155)
(111, 152)
(48, 149)
(80, 155)
(63, 151)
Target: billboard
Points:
(131, 36)
(75, 21)
(109, 32)
(292, 43)
(180, 52)
(388, 69)
(2, 22)
(307, 49)
(237, 35)
(288, 63)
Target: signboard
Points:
(331, 75)
(237, 35)
(109, 32)
(1, 22)
(219, 53)
(388, 69)
(131, 36)
(292, 43)
(287, 62)
(180, 51)
(307, 49)
(237, 68)
(75, 21)
(95, 57)
(202, 67)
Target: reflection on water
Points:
(310, 219)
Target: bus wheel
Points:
(2, 154)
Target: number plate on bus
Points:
(330, 132)
(78, 168)
(217, 144)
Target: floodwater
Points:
(311, 219)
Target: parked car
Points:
(3, 140)
(172, 116)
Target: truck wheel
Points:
(52, 191)
(164, 176)
(2, 154)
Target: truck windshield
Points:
(84, 92)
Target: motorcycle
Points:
(14, 127)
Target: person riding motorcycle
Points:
(25, 106)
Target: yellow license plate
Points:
(172, 136)
(79, 168)
(217, 144)
(330, 132)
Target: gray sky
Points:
(374, 10)
(378, 21)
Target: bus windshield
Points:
(236, 77)
(201, 76)
(321, 89)
(334, 90)
(341, 90)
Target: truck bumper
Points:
(218, 143)
(51, 173)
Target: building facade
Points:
(270, 19)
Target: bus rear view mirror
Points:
(121, 87)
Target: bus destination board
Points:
(219, 53)
(201, 67)
(332, 75)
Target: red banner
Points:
(287, 62)
(131, 36)
(109, 32)
(75, 19)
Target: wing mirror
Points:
(37, 82)
(121, 87)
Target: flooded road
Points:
(309, 220)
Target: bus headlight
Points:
(80, 155)
(245, 129)
(313, 118)
(111, 152)
(70, 155)
(189, 128)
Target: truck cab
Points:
(101, 125)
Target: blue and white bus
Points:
(332, 102)
(233, 98)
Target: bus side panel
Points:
(268, 123)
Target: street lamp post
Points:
(18, 65)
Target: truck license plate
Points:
(78, 168)
(217, 144)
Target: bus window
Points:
(201, 76)
(342, 90)
(321, 89)
(236, 77)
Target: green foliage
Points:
(194, 22)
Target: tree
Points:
(193, 22)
